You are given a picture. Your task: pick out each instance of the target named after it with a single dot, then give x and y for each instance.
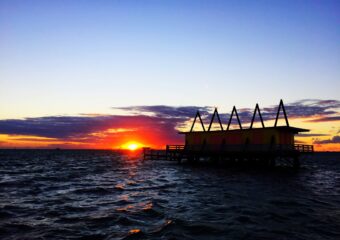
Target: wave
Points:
(101, 195)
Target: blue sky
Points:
(72, 57)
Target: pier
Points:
(266, 145)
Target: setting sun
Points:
(132, 146)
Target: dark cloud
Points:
(325, 119)
(55, 126)
(335, 139)
(32, 139)
(323, 110)
(167, 111)
(312, 135)
(306, 108)
(74, 126)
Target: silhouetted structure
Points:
(265, 145)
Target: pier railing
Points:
(302, 148)
(174, 147)
(149, 153)
(177, 151)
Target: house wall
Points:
(253, 136)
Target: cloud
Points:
(35, 139)
(164, 111)
(325, 119)
(65, 127)
(54, 126)
(158, 121)
(335, 139)
(320, 110)
(312, 135)
(306, 108)
(323, 109)
(299, 141)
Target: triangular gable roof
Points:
(193, 124)
(231, 116)
(252, 121)
(284, 113)
(212, 119)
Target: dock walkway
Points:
(250, 152)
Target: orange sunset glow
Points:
(133, 132)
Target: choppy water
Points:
(106, 195)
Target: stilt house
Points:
(255, 139)
(265, 145)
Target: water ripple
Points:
(107, 195)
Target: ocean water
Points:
(109, 195)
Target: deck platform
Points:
(289, 154)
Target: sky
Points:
(100, 74)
